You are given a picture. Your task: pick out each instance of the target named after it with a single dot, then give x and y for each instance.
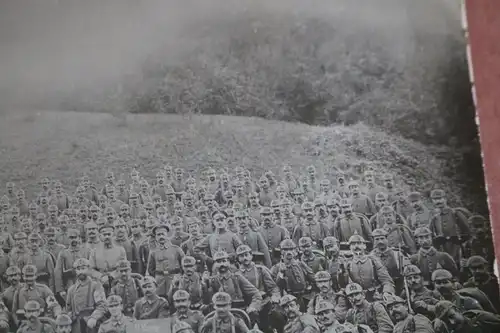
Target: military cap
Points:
(40, 216)
(218, 212)
(330, 240)
(209, 196)
(113, 300)
(202, 209)
(182, 327)
(34, 236)
(168, 190)
(325, 182)
(442, 308)
(90, 224)
(81, 262)
(106, 226)
(150, 223)
(298, 191)
(353, 183)
(304, 241)
(322, 276)
(241, 214)
(476, 261)
(160, 226)
(119, 222)
(324, 306)
(386, 209)
(288, 244)
(32, 306)
(123, 264)
(242, 249)
(50, 231)
(356, 238)
(387, 176)
(73, 232)
(307, 205)
(181, 295)
(148, 280)
(11, 270)
(414, 196)
(266, 210)
(29, 270)
(188, 261)
(353, 288)
(286, 299)
(63, 320)
(392, 299)
(411, 270)
(148, 205)
(438, 193)
(422, 231)
(345, 202)
(274, 204)
(380, 196)
(379, 232)
(219, 255)
(20, 235)
(221, 299)
(441, 274)
(318, 203)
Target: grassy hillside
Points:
(64, 145)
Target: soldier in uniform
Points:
(361, 203)
(315, 262)
(117, 321)
(404, 321)
(449, 226)
(253, 239)
(335, 262)
(327, 294)
(272, 233)
(131, 248)
(127, 287)
(19, 255)
(398, 233)
(297, 322)
(92, 239)
(348, 223)
(178, 236)
(292, 275)
(442, 280)
(371, 188)
(428, 259)
(190, 281)
(42, 261)
(260, 276)
(243, 293)
(150, 306)
(483, 279)
(13, 275)
(367, 270)
(363, 312)
(33, 291)
(86, 299)
(421, 216)
(327, 317)
(32, 312)
(222, 238)
(63, 323)
(183, 312)
(223, 321)
(64, 273)
(457, 321)
(421, 298)
(310, 227)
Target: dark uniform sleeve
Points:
(250, 291)
(99, 302)
(151, 264)
(383, 276)
(262, 247)
(462, 223)
(163, 311)
(241, 327)
(308, 273)
(269, 284)
(384, 322)
(448, 263)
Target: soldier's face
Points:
(124, 273)
(331, 249)
(160, 180)
(64, 329)
(347, 209)
(358, 248)
(220, 222)
(341, 181)
(92, 231)
(356, 299)
(416, 204)
(242, 223)
(454, 319)
(266, 217)
(20, 196)
(135, 229)
(134, 200)
(306, 248)
(188, 202)
(222, 310)
(20, 242)
(291, 310)
(354, 189)
(157, 202)
(44, 201)
(211, 176)
(289, 254)
(82, 272)
(121, 230)
(326, 318)
(222, 265)
(380, 242)
(161, 236)
(389, 217)
(381, 202)
(178, 174)
(245, 258)
(168, 172)
(369, 179)
(106, 236)
(162, 215)
(14, 279)
(53, 213)
(389, 183)
(33, 211)
(110, 216)
(144, 187)
(29, 279)
(177, 225)
(281, 194)
(414, 281)
(31, 315)
(189, 269)
(74, 240)
(308, 213)
(5, 206)
(10, 188)
(444, 286)
(398, 311)
(149, 210)
(179, 210)
(45, 184)
(110, 179)
(111, 194)
(85, 182)
(121, 186)
(439, 202)
(479, 272)
(323, 286)
(194, 229)
(149, 289)
(63, 223)
(424, 241)
(125, 212)
(51, 238)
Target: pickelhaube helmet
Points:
(475, 261)
(411, 270)
(221, 299)
(392, 299)
(322, 276)
(81, 262)
(148, 280)
(32, 306)
(288, 244)
(158, 227)
(324, 306)
(123, 264)
(220, 254)
(182, 327)
(379, 232)
(113, 300)
(12, 270)
(305, 241)
(242, 249)
(29, 270)
(353, 288)
(356, 238)
(414, 196)
(330, 240)
(437, 193)
(422, 231)
(106, 226)
(441, 274)
(63, 320)
(181, 295)
(188, 261)
(307, 205)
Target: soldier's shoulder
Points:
(163, 301)
(308, 320)
(42, 287)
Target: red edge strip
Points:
(483, 20)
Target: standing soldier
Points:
(428, 259)
(389, 189)
(292, 275)
(315, 262)
(22, 203)
(253, 239)
(221, 239)
(401, 204)
(151, 306)
(190, 281)
(165, 260)
(361, 203)
(272, 233)
(442, 280)
(123, 193)
(350, 223)
(265, 195)
(190, 249)
(326, 294)
(6, 239)
(398, 232)
(62, 234)
(117, 321)
(223, 321)
(148, 245)
(160, 186)
(13, 277)
(406, 322)
(92, 239)
(19, 255)
(421, 216)
(86, 299)
(253, 206)
(11, 193)
(367, 313)
(449, 226)
(178, 236)
(371, 188)
(36, 292)
(297, 322)
(183, 312)
(367, 270)
(289, 178)
(127, 287)
(131, 249)
(32, 312)
(64, 273)
(310, 227)
(90, 190)
(43, 262)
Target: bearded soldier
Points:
(223, 321)
(326, 316)
(442, 280)
(298, 322)
(19, 255)
(151, 306)
(117, 321)
(32, 311)
(428, 259)
(367, 270)
(363, 312)
(406, 322)
(315, 262)
(183, 311)
(310, 227)
(422, 300)
(421, 215)
(253, 239)
(350, 223)
(482, 279)
(127, 287)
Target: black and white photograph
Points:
(211, 166)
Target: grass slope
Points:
(64, 145)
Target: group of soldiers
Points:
(226, 252)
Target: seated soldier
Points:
(443, 284)
(32, 312)
(183, 312)
(325, 315)
(127, 287)
(223, 321)
(150, 306)
(298, 322)
(117, 321)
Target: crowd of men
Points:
(226, 252)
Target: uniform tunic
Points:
(304, 323)
(261, 277)
(230, 324)
(36, 327)
(44, 266)
(85, 299)
(19, 257)
(130, 291)
(116, 325)
(362, 204)
(421, 217)
(132, 253)
(154, 308)
(450, 223)
(225, 241)
(314, 230)
(193, 285)
(273, 236)
(64, 274)
(238, 287)
(104, 259)
(430, 260)
(40, 293)
(345, 226)
(194, 318)
(373, 315)
(163, 263)
(414, 324)
(296, 278)
(370, 273)
(256, 242)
